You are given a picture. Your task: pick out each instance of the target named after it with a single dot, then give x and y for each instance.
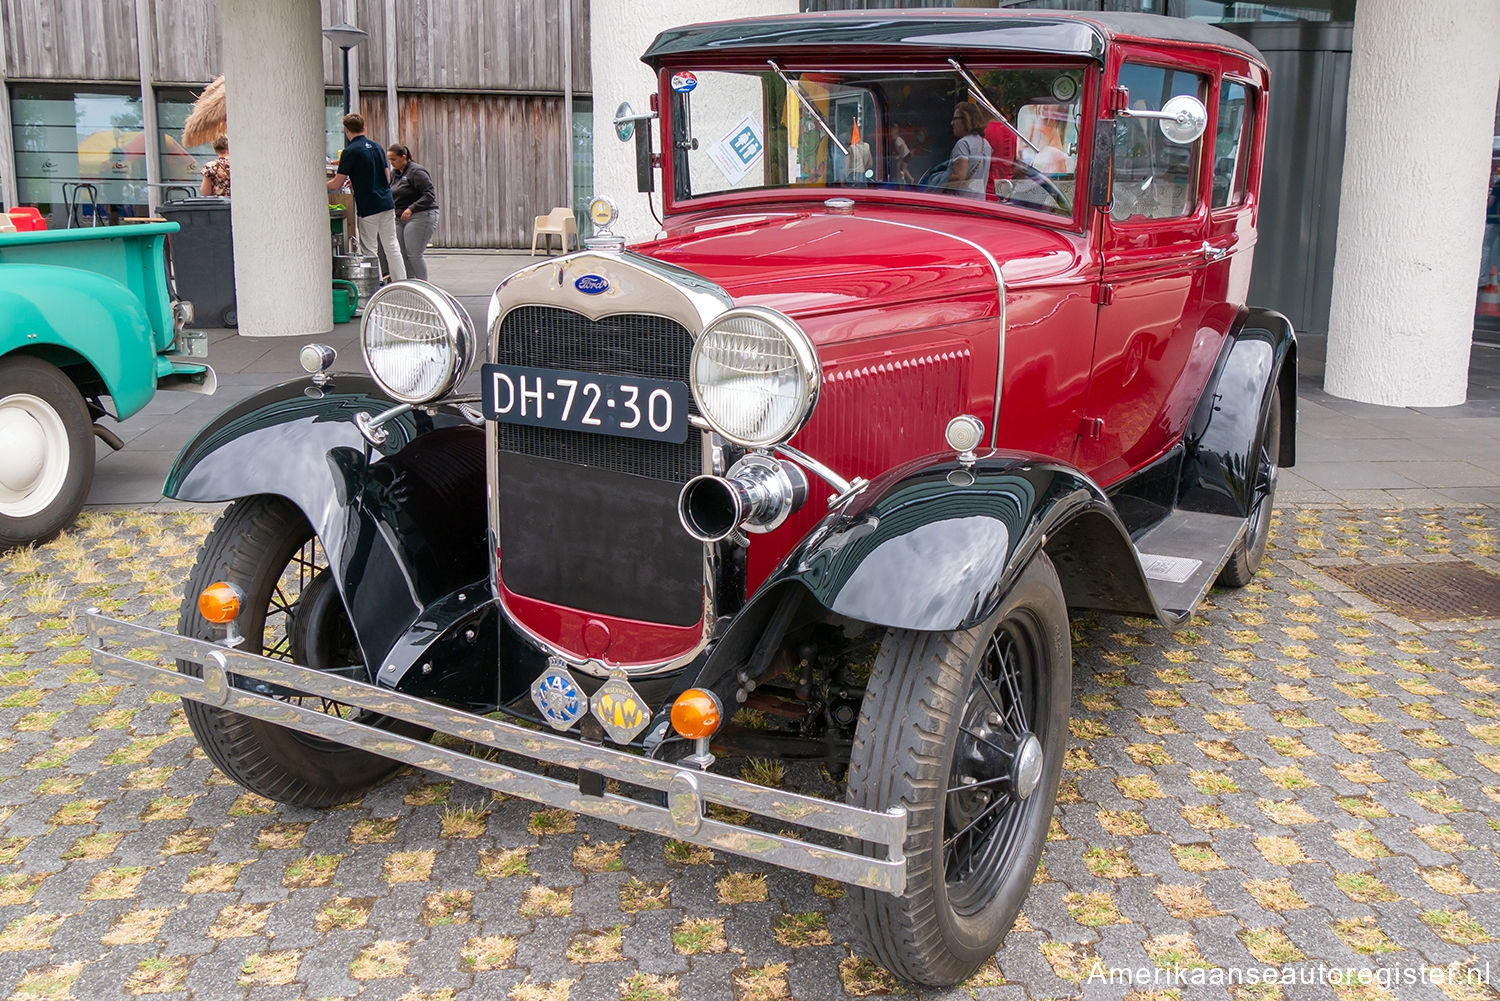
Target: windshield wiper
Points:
(978, 89)
(795, 88)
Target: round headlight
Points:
(755, 376)
(417, 339)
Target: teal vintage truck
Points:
(89, 329)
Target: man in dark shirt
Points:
(363, 165)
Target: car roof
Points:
(1051, 32)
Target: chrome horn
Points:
(758, 493)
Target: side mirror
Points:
(625, 121)
(1183, 118)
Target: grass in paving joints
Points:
(1290, 780)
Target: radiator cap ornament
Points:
(558, 697)
(620, 710)
(603, 212)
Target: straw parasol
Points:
(209, 116)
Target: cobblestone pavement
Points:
(1299, 778)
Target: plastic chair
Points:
(558, 221)
(27, 219)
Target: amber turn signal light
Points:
(220, 603)
(696, 713)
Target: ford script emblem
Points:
(592, 284)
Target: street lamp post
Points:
(346, 36)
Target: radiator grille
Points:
(634, 344)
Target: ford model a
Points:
(945, 334)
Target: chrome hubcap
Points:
(1027, 770)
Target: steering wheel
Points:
(1043, 181)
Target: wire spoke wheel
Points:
(996, 764)
(293, 612)
(302, 629)
(966, 729)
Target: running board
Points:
(1172, 557)
(687, 790)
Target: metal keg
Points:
(364, 272)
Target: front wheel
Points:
(967, 730)
(46, 451)
(292, 611)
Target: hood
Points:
(810, 262)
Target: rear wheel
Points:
(293, 612)
(967, 731)
(46, 451)
(1251, 549)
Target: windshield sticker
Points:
(738, 151)
(684, 82)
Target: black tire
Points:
(266, 547)
(43, 416)
(230, 317)
(925, 707)
(1250, 551)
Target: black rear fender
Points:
(1224, 433)
(403, 523)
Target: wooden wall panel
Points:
(186, 46)
(496, 161)
(474, 45)
(368, 15)
(70, 39)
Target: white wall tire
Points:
(46, 451)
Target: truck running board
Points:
(687, 790)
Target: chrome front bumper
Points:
(118, 648)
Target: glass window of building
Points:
(1487, 306)
(80, 151)
(179, 165)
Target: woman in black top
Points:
(416, 207)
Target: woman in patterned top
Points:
(216, 171)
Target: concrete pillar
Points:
(619, 31)
(1411, 218)
(273, 75)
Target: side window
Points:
(1154, 178)
(1232, 144)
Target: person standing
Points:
(363, 165)
(216, 171)
(416, 207)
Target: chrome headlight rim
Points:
(809, 370)
(457, 325)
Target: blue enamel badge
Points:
(558, 697)
(592, 284)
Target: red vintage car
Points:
(945, 334)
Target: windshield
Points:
(921, 130)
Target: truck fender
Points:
(1218, 471)
(403, 524)
(935, 544)
(68, 317)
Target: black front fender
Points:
(403, 523)
(934, 545)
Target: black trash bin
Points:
(203, 257)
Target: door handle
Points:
(1212, 253)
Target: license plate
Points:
(655, 409)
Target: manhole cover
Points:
(1427, 590)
